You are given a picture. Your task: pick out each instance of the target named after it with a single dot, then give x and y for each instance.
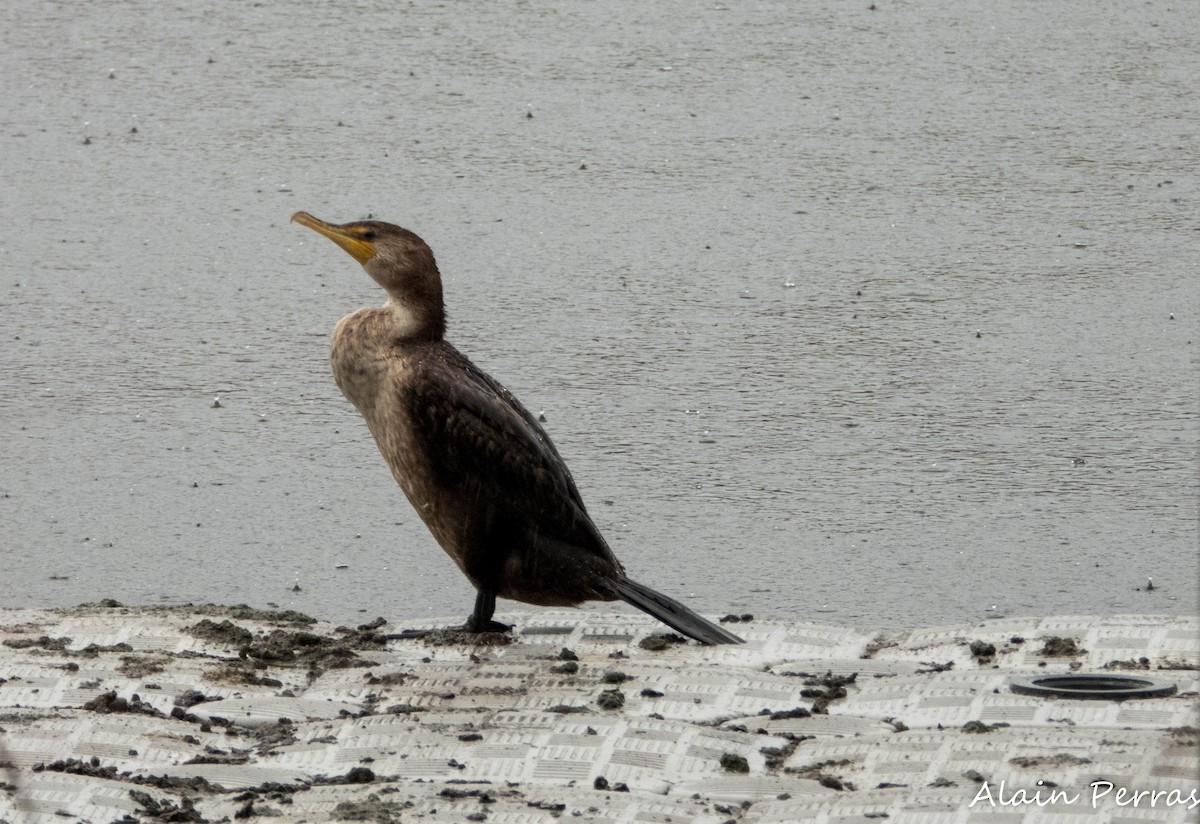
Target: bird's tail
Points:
(673, 614)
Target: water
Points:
(977, 397)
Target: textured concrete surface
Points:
(111, 713)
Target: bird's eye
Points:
(368, 234)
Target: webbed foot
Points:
(478, 621)
(474, 625)
(469, 628)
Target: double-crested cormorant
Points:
(474, 463)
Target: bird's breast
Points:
(360, 359)
(375, 374)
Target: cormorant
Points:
(475, 464)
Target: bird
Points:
(475, 464)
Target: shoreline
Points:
(203, 713)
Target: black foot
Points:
(478, 621)
(490, 626)
(481, 619)
(473, 625)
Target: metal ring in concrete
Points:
(1093, 686)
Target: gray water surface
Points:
(882, 316)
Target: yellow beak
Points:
(358, 248)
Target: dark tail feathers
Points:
(673, 614)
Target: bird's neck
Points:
(414, 321)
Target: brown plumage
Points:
(475, 464)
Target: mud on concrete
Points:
(212, 713)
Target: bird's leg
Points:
(481, 619)
(478, 621)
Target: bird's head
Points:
(395, 258)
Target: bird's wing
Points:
(483, 441)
